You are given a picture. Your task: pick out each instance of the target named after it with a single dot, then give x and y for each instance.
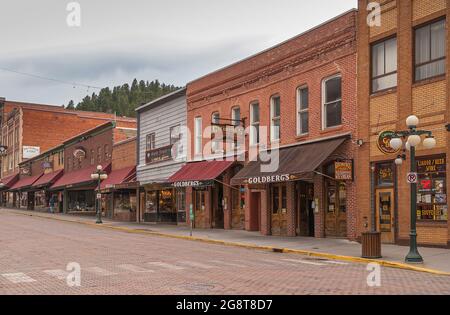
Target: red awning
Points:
(201, 171)
(48, 179)
(117, 177)
(8, 181)
(25, 182)
(78, 177)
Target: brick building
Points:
(30, 129)
(403, 70)
(303, 90)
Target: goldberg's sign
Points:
(343, 170)
(269, 179)
(158, 155)
(383, 142)
(192, 183)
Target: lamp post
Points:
(413, 136)
(99, 175)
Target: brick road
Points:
(34, 253)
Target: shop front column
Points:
(265, 216)
(65, 201)
(319, 212)
(290, 195)
(208, 208)
(227, 209)
(247, 207)
(189, 203)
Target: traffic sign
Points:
(411, 178)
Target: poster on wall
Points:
(30, 152)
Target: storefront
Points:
(308, 194)
(44, 199)
(160, 204)
(208, 192)
(24, 194)
(7, 197)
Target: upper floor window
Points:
(99, 155)
(198, 135)
(384, 65)
(150, 142)
(215, 118)
(254, 123)
(332, 102)
(275, 118)
(302, 111)
(174, 134)
(236, 116)
(430, 50)
(216, 141)
(106, 152)
(92, 157)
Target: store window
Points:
(166, 206)
(385, 174)
(432, 189)
(200, 197)
(254, 121)
(275, 118)
(125, 202)
(332, 102)
(430, 50)
(302, 111)
(181, 204)
(384, 65)
(81, 201)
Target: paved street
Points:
(34, 253)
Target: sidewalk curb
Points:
(381, 262)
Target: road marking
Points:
(57, 273)
(304, 262)
(100, 271)
(165, 265)
(335, 262)
(133, 268)
(18, 277)
(220, 262)
(196, 264)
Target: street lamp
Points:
(413, 137)
(3, 149)
(99, 175)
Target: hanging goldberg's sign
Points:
(343, 170)
(384, 140)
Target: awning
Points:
(25, 182)
(117, 177)
(76, 178)
(295, 163)
(8, 181)
(48, 179)
(197, 173)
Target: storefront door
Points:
(217, 193)
(305, 212)
(335, 209)
(385, 214)
(200, 208)
(279, 210)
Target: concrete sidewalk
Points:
(436, 259)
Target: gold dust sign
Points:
(343, 170)
(383, 142)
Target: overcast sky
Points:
(174, 41)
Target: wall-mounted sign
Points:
(343, 170)
(25, 170)
(158, 155)
(79, 153)
(30, 152)
(383, 142)
(47, 165)
(436, 165)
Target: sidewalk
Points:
(436, 259)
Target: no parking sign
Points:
(412, 178)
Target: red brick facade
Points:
(306, 60)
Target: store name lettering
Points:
(268, 179)
(187, 184)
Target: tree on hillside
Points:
(123, 100)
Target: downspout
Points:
(138, 144)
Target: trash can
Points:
(371, 245)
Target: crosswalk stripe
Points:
(57, 273)
(196, 264)
(165, 265)
(333, 262)
(18, 277)
(133, 268)
(304, 262)
(226, 263)
(100, 271)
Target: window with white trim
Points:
(198, 135)
(275, 118)
(384, 65)
(236, 115)
(302, 110)
(254, 123)
(332, 102)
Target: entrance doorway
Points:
(199, 208)
(336, 209)
(218, 220)
(385, 214)
(305, 211)
(255, 209)
(279, 210)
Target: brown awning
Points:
(295, 163)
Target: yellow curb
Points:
(381, 262)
